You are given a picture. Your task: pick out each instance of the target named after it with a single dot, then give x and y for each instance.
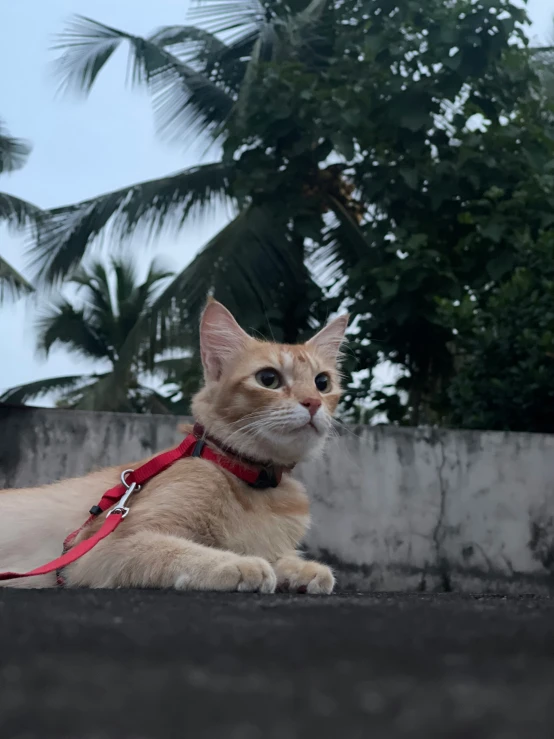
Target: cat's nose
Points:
(312, 404)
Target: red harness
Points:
(131, 481)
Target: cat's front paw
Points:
(245, 574)
(297, 575)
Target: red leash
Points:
(132, 481)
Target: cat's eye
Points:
(323, 382)
(269, 378)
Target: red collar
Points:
(257, 474)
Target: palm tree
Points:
(111, 303)
(15, 212)
(201, 78)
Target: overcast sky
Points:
(84, 148)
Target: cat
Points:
(196, 526)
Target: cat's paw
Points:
(297, 575)
(245, 574)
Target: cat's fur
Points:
(196, 526)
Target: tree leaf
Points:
(388, 288)
(66, 233)
(32, 390)
(410, 177)
(12, 283)
(493, 231)
(500, 265)
(249, 260)
(19, 213)
(414, 119)
(185, 100)
(13, 152)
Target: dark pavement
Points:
(145, 665)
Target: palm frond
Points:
(242, 17)
(103, 395)
(94, 285)
(125, 282)
(343, 247)
(133, 300)
(33, 390)
(62, 324)
(182, 377)
(19, 213)
(100, 309)
(141, 299)
(157, 272)
(263, 31)
(251, 259)
(224, 63)
(67, 232)
(241, 264)
(12, 283)
(88, 392)
(13, 152)
(312, 13)
(184, 99)
(248, 19)
(352, 236)
(190, 44)
(183, 372)
(263, 50)
(249, 27)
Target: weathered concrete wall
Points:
(39, 445)
(392, 508)
(436, 509)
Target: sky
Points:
(84, 147)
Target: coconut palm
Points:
(15, 212)
(110, 303)
(200, 78)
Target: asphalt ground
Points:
(149, 665)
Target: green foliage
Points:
(441, 146)
(390, 156)
(13, 152)
(505, 374)
(12, 282)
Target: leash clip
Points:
(131, 488)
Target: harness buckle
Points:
(131, 488)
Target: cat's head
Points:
(270, 402)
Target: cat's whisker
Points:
(247, 431)
(336, 422)
(257, 427)
(282, 417)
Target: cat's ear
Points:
(221, 339)
(329, 340)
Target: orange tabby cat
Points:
(196, 526)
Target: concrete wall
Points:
(392, 508)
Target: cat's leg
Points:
(150, 559)
(303, 576)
